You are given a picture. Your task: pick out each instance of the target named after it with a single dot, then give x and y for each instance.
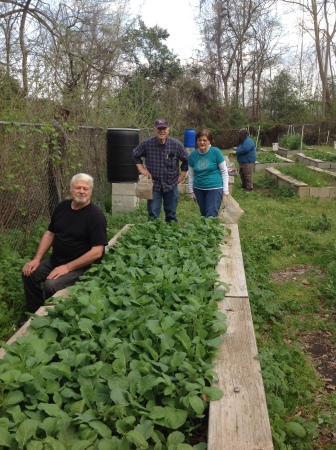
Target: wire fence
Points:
(37, 163)
(38, 160)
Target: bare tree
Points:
(74, 47)
(264, 53)
(320, 25)
(228, 32)
(28, 15)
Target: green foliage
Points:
(256, 143)
(11, 291)
(237, 117)
(275, 233)
(291, 141)
(263, 181)
(323, 156)
(320, 223)
(312, 178)
(267, 157)
(281, 99)
(284, 192)
(328, 260)
(160, 65)
(274, 238)
(126, 360)
(11, 95)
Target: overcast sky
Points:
(176, 16)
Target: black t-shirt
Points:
(76, 231)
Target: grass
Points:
(310, 150)
(278, 233)
(312, 178)
(323, 156)
(264, 157)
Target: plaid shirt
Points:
(162, 161)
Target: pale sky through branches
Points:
(177, 17)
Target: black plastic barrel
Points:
(120, 143)
(190, 138)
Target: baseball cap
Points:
(161, 123)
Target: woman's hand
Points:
(192, 196)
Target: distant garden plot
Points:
(306, 181)
(270, 159)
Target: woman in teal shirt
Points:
(208, 176)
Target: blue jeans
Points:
(169, 199)
(209, 201)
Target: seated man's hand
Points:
(30, 267)
(58, 272)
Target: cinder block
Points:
(117, 200)
(122, 202)
(322, 192)
(303, 191)
(130, 201)
(324, 165)
(123, 188)
(332, 192)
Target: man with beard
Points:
(77, 235)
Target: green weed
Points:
(291, 142)
(312, 178)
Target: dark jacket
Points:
(246, 151)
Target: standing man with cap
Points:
(162, 155)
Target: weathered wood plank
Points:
(239, 421)
(230, 266)
(116, 236)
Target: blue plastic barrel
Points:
(190, 138)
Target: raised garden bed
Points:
(301, 189)
(270, 159)
(237, 421)
(317, 162)
(286, 152)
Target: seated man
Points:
(77, 235)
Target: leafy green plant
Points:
(11, 292)
(320, 223)
(284, 192)
(312, 178)
(267, 157)
(291, 142)
(126, 361)
(323, 156)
